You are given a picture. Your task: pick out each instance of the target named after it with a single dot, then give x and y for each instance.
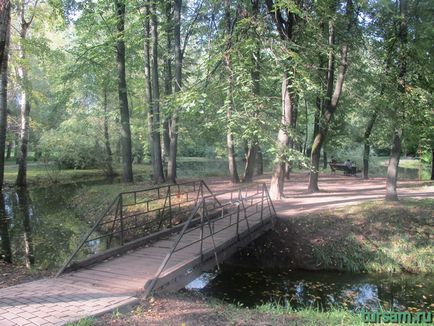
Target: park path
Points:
(120, 281)
(337, 190)
(74, 296)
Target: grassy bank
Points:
(40, 174)
(194, 309)
(372, 237)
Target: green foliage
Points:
(71, 146)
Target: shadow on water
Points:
(252, 286)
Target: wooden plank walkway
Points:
(120, 281)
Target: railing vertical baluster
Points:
(113, 225)
(121, 216)
(211, 232)
(238, 221)
(247, 220)
(262, 206)
(201, 229)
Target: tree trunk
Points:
(229, 105)
(260, 163)
(5, 19)
(306, 132)
(251, 157)
(109, 154)
(278, 175)
(324, 163)
(148, 83)
(333, 94)
(16, 145)
(252, 152)
(392, 169)
(314, 161)
(367, 145)
(25, 106)
(4, 56)
(6, 249)
(156, 140)
(432, 164)
(8, 148)
(167, 77)
(127, 158)
(173, 125)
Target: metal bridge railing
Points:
(136, 214)
(240, 206)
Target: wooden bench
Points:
(342, 167)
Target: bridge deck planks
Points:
(130, 272)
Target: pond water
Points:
(37, 227)
(252, 286)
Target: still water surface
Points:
(252, 286)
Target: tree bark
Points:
(392, 169)
(278, 174)
(432, 163)
(5, 11)
(8, 148)
(167, 77)
(252, 153)
(127, 158)
(285, 23)
(156, 137)
(148, 82)
(395, 154)
(25, 105)
(260, 163)
(5, 17)
(367, 145)
(109, 154)
(173, 126)
(16, 142)
(306, 132)
(333, 94)
(229, 106)
(251, 159)
(6, 249)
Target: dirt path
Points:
(336, 191)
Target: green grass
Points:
(372, 237)
(88, 321)
(39, 174)
(314, 316)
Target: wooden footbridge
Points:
(160, 239)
